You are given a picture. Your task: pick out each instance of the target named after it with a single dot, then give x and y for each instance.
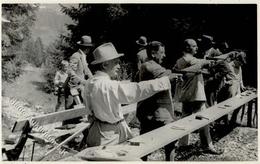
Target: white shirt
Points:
(104, 96)
(60, 77)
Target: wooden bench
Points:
(25, 126)
(142, 145)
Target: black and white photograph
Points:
(129, 81)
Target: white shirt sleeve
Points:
(126, 93)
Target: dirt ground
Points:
(238, 145)
(29, 87)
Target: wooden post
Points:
(249, 114)
(255, 117)
(13, 154)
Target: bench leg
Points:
(255, 117)
(13, 155)
(249, 114)
(33, 150)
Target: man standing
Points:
(59, 83)
(157, 110)
(104, 96)
(207, 47)
(79, 71)
(141, 54)
(192, 91)
(233, 83)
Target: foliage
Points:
(12, 69)
(122, 24)
(15, 33)
(34, 52)
(100, 24)
(125, 72)
(54, 56)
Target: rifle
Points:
(195, 72)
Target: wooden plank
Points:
(162, 136)
(8, 147)
(63, 115)
(92, 158)
(64, 142)
(51, 117)
(57, 133)
(249, 114)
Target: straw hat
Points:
(105, 52)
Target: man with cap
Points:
(141, 54)
(157, 110)
(104, 96)
(78, 68)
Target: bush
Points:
(126, 71)
(54, 56)
(12, 69)
(49, 75)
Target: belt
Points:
(105, 122)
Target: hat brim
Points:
(86, 45)
(137, 42)
(107, 59)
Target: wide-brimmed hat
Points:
(105, 52)
(142, 41)
(85, 41)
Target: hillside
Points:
(28, 87)
(50, 22)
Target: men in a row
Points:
(104, 96)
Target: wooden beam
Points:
(64, 142)
(162, 136)
(55, 133)
(51, 117)
(63, 115)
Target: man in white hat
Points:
(79, 67)
(104, 96)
